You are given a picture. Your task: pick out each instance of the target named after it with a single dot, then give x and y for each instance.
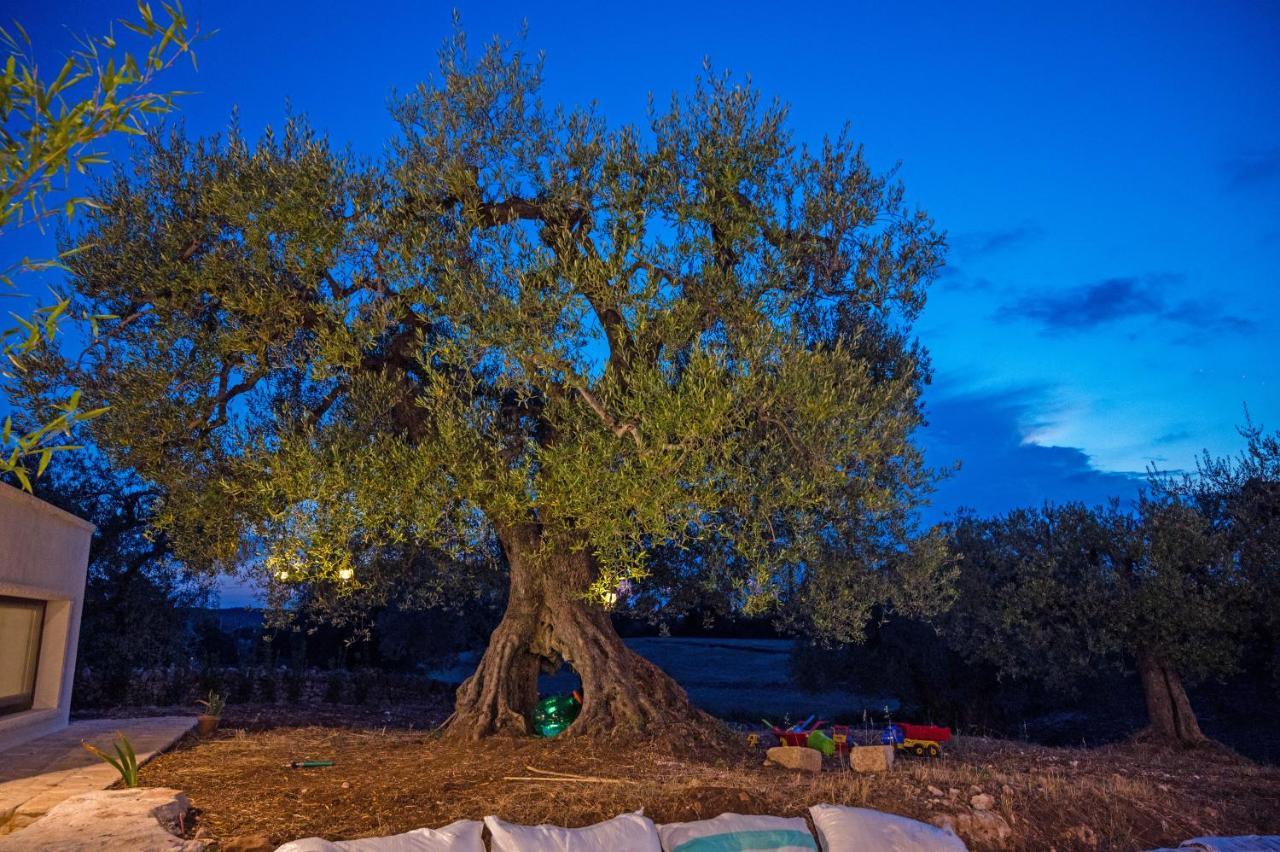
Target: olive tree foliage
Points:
(1033, 597)
(137, 597)
(1240, 495)
(529, 333)
(1061, 593)
(49, 125)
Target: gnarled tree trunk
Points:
(1168, 707)
(547, 623)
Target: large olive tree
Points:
(525, 326)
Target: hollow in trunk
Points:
(548, 623)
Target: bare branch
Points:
(616, 426)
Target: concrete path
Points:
(37, 775)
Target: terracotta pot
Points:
(206, 724)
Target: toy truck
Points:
(920, 740)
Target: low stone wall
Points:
(177, 685)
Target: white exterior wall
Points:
(44, 554)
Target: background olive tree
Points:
(139, 599)
(1061, 593)
(1240, 496)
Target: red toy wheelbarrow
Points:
(793, 737)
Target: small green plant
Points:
(124, 760)
(214, 704)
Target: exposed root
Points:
(500, 696)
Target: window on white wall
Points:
(21, 622)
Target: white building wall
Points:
(44, 555)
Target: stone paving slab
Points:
(38, 775)
(148, 819)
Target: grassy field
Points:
(391, 779)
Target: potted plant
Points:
(207, 722)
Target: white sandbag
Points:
(739, 833)
(626, 833)
(465, 835)
(1239, 843)
(842, 829)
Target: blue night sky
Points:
(1108, 175)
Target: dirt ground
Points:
(389, 779)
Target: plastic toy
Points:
(821, 742)
(798, 735)
(920, 740)
(555, 713)
(840, 738)
(809, 734)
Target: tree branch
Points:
(616, 426)
(226, 393)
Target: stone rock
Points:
(878, 758)
(978, 828)
(246, 843)
(1082, 835)
(946, 822)
(983, 802)
(935, 792)
(140, 820)
(989, 827)
(796, 757)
